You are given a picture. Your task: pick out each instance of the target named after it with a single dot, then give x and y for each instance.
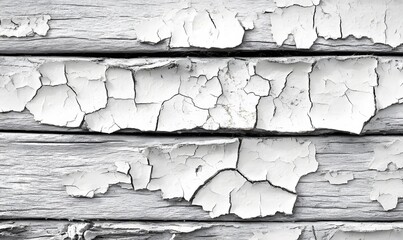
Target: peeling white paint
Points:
(387, 193)
(390, 83)
(215, 195)
(248, 23)
(296, 21)
(230, 192)
(282, 161)
(286, 108)
(189, 27)
(159, 84)
(204, 92)
(87, 80)
(53, 73)
(17, 89)
(260, 199)
(89, 184)
(343, 100)
(235, 108)
(120, 83)
(24, 26)
(387, 189)
(76, 230)
(56, 105)
(180, 109)
(278, 95)
(179, 170)
(338, 178)
(209, 174)
(362, 20)
(258, 86)
(386, 154)
(308, 20)
(123, 113)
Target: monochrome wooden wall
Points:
(264, 119)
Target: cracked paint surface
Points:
(282, 162)
(276, 95)
(189, 27)
(351, 89)
(24, 26)
(286, 107)
(17, 89)
(179, 170)
(307, 20)
(213, 174)
(390, 83)
(230, 192)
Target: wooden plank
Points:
(80, 26)
(376, 107)
(387, 121)
(50, 229)
(33, 165)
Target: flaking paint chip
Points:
(286, 108)
(120, 83)
(89, 184)
(87, 80)
(123, 113)
(56, 105)
(307, 20)
(387, 192)
(386, 154)
(189, 27)
(282, 162)
(179, 170)
(343, 100)
(296, 21)
(338, 178)
(24, 26)
(390, 83)
(18, 89)
(181, 109)
(209, 174)
(282, 95)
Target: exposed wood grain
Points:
(80, 26)
(167, 230)
(32, 166)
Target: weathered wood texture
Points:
(179, 230)
(387, 121)
(291, 112)
(80, 26)
(33, 163)
(32, 167)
